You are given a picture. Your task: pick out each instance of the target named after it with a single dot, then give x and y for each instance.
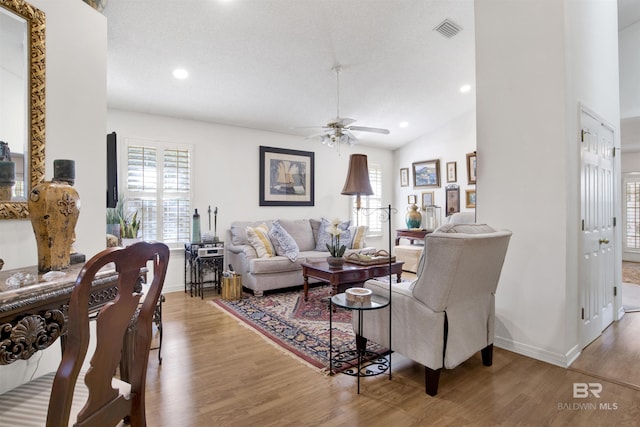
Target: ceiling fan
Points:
(338, 130)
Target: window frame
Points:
(633, 177)
(160, 193)
(371, 203)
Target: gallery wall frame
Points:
(470, 198)
(412, 199)
(452, 172)
(428, 199)
(453, 199)
(471, 168)
(404, 177)
(286, 177)
(426, 174)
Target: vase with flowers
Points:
(335, 248)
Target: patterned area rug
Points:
(298, 326)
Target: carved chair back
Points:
(107, 405)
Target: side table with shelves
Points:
(201, 259)
(368, 363)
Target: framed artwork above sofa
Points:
(286, 177)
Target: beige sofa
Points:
(280, 271)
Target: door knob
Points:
(605, 241)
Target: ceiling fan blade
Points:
(368, 129)
(343, 121)
(352, 137)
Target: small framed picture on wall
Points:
(452, 173)
(471, 198)
(412, 199)
(471, 168)
(427, 199)
(453, 199)
(404, 177)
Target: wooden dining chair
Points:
(97, 397)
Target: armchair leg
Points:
(487, 355)
(431, 378)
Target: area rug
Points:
(298, 326)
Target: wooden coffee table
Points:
(349, 273)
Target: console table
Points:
(33, 316)
(411, 234)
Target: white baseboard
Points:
(558, 359)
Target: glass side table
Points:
(369, 363)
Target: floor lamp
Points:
(357, 184)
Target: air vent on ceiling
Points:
(448, 28)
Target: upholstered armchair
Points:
(447, 314)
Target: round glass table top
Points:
(376, 302)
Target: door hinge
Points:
(582, 134)
(615, 221)
(615, 291)
(582, 313)
(583, 225)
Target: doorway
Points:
(597, 202)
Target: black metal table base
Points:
(370, 364)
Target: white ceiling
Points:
(267, 64)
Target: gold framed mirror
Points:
(32, 152)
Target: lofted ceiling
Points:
(267, 64)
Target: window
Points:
(632, 213)
(158, 187)
(372, 218)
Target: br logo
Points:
(583, 390)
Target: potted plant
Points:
(123, 223)
(335, 249)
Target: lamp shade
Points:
(357, 182)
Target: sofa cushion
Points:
(282, 241)
(238, 231)
(300, 230)
(315, 226)
(276, 264)
(324, 238)
(258, 237)
(358, 235)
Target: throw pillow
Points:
(324, 238)
(283, 242)
(259, 238)
(358, 233)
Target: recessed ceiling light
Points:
(404, 124)
(465, 88)
(180, 73)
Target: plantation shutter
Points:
(159, 189)
(632, 214)
(371, 219)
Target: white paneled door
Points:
(597, 272)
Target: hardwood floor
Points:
(218, 372)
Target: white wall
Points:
(76, 45)
(226, 172)
(629, 71)
(449, 143)
(531, 75)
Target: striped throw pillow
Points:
(259, 238)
